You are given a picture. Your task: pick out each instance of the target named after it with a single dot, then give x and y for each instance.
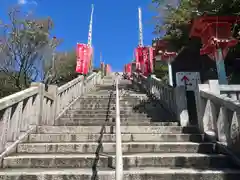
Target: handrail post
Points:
(119, 160)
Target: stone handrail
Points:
(232, 91)
(21, 112)
(218, 115)
(119, 158)
(173, 99)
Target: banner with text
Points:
(83, 58)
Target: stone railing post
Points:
(206, 126)
(181, 106)
(39, 101)
(151, 83)
(53, 90)
(214, 86)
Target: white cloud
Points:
(22, 2)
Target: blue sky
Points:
(115, 25)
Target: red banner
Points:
(83, 58)
(128, 68)
(108, 68)
(133, 68)
(138, 56)
(139, 59)
(145, 63)
(86, 60)
(125, 68)
(90, 58)
(150, 60)
(80, 58)
(144, 60)
(102, 66)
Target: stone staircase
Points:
(82, 145)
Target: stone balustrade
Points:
(173, 99)
(218, 108)
(21, 112)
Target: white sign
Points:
(188, 79)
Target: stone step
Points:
(111, 112)
(109, 147)
(124, 129)
(131, 99)
(113, 100)
(106, 102)
(99, 106)
(111, 122)
(92, 102)
(104, 108)
(112, 137)
(101, 111)
(151, 173)
(103, 104)
(100, 116)
(122, 102)
(99, 95)
(102, 120)
(173, 160)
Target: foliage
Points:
(177, 22)
(22, 46)
(64, 68)
(161, 71)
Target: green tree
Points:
(22, 46)
(64, 68)
(65, 65)
(177, 21)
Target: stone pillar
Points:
(39, 101)
(181, 106)
(53, 90)
(206, 124)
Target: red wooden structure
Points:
(160, 45)
(168, 56)
(216, 37)
(161, 49)
(215, 33)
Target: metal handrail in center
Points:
(119, 158)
